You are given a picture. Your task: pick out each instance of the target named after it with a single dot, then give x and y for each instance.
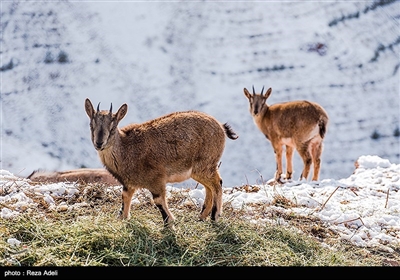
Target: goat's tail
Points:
(229, 132)
(322, 127)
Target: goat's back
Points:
(188, 135)
(297, 113)
(297, 118)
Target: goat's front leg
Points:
(278, 159)
(289, 162)
(127, 194)
(161, 203)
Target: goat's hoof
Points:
(280, 181)
(215, 218)
(275, 181)
(121, 217)
(201, 218)
(169, 225)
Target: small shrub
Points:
(63, 57)
(48, 58)
(319, 48)
(8, 66)
(375, 135)
(396, 132)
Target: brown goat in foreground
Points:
(168, 149)
(299, 125)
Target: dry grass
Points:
(83, 231)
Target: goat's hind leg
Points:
(213, 199)
(207, 205)
(316, 151)
(305, 154)
(217, 199)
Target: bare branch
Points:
(323, 205)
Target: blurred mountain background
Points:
(160, 57)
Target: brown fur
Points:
(168, 149)
(299, 125)
(81, 176)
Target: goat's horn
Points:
(262, 90)
(254, 92)
(111, 109)
(98, 107)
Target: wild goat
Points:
(81, 176)
(168, 149)
(299, 125)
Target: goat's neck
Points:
(262, 120)
(111, 156)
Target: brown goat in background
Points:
(299, 125)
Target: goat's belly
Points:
(306, 136)
(288, 142)
(179, 177)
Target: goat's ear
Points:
(268, 93)
(121, 112)
(89, 108)
(247, 93)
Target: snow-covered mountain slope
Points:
(160, 57)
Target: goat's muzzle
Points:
(98, 146)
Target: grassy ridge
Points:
(93, 236)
